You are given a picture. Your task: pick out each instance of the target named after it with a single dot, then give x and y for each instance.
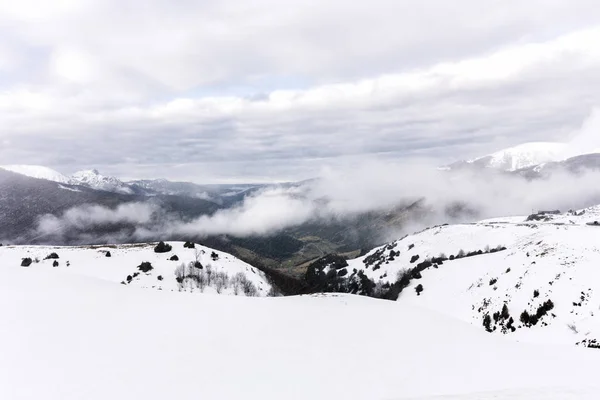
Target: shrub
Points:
(55, 263)
(160, 278)
(414, 258)
(245, 284)
(221, 280)
(145, 267)
(107, 254)
(174, 258)
(214, 256)
(487, 322)
(461, 254)
(162, 247)
(505, 313)
(419, 289)
(129, 278)
(26, 262)
(536, 293)
(525, 318)
(51, 256)
(493, 281)
(189, 245)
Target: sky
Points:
(237, 91)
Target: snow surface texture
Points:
(91, 261)
(67, 336)
(555, 258)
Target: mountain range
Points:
(529, 156)
(27, 193)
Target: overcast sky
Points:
(261, 90)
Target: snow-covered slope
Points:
(220, 272)
(38, 172)
(69, 337)
(521, 156)
(533, 155)
(93, 179)
(547, 258)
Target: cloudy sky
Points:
(233, 90)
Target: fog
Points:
(368, 185)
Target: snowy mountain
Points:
(515, 158)
(117, 341)
(197, 269)
(93, 179)
(532, 278)
(38, 172)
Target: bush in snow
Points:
(221, 281)
(419, 289)
(145, 267)
(487, 322)
(493, 281)
(214, 256)
(26, 262)
(532, 319)
(107, 254)
(55, 263)
(174, 258)
(162, 247)
(414, 258)
(246, 285)
(160, 278)
(51, 256)
(189, 245)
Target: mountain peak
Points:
(522, 156)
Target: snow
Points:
(95, 180)
(524, 155)
(68, 336)
(91, 261)
(557, 256)
(38, 172)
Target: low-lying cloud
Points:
(354, 189)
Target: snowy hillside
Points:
(545, 265)
(93, 179)
(521, 156)
(198, 269)
(534, 156)
(66, 336)
(38, 172)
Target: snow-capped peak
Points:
(38, 172)
(523, 156)
(93, 179)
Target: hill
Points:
(528, 277)
(86, 337)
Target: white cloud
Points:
(134, 88)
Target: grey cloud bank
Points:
(123, 86)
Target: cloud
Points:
(90, 217)
(221, 91)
